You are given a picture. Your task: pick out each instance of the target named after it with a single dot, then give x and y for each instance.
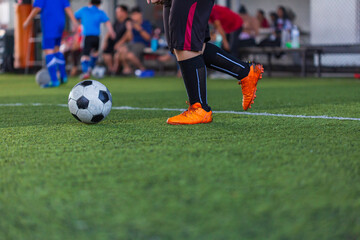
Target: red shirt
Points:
(230, 21)
(264, 23)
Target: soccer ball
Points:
(90, 101)
(98, 72)
(42, 77)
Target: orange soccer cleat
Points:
(194, 115)
(249, 83)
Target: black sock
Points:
(220, 60)
(194, 74)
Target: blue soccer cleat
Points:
(51, 85)
(64, 80)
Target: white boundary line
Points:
(180, 110)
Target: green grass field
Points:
(134, 177)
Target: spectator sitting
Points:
(264, 23)
(273, 20)
(250, 29)
(132, 54)
(282, 24)
(122, 28)
(226, 22)
(283, 21)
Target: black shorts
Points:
(186, 24)
(110, 48)
(91, 43)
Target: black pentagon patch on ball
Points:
(76, 117)
(103, 96)
(82, 103)
(86, 83)
(97, 118)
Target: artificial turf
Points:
(134, 177)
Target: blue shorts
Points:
(51, 43)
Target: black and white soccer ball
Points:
(90, 101)
(98, 72)
(42, 77)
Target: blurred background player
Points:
(52, 24)
(187, 31)
(228, 24)
(122, 27)
(91, 18)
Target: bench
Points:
(334, 49)
(151, 61)
(304, 52)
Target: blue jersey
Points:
(146, 25)
(91, 19)
(52, 16)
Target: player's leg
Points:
(76, 55)
(122, 53)
(85, 62)
(116, 64)
(193, 70)
(135, 54)
(218, 59)
(48, 45)
(61, 62)
(120, 57)
(248, 74)
(85, 58)
(134, 60)
(95, 52)
(187, 33)
(108, 55)
(108, 60)
(93, 59)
